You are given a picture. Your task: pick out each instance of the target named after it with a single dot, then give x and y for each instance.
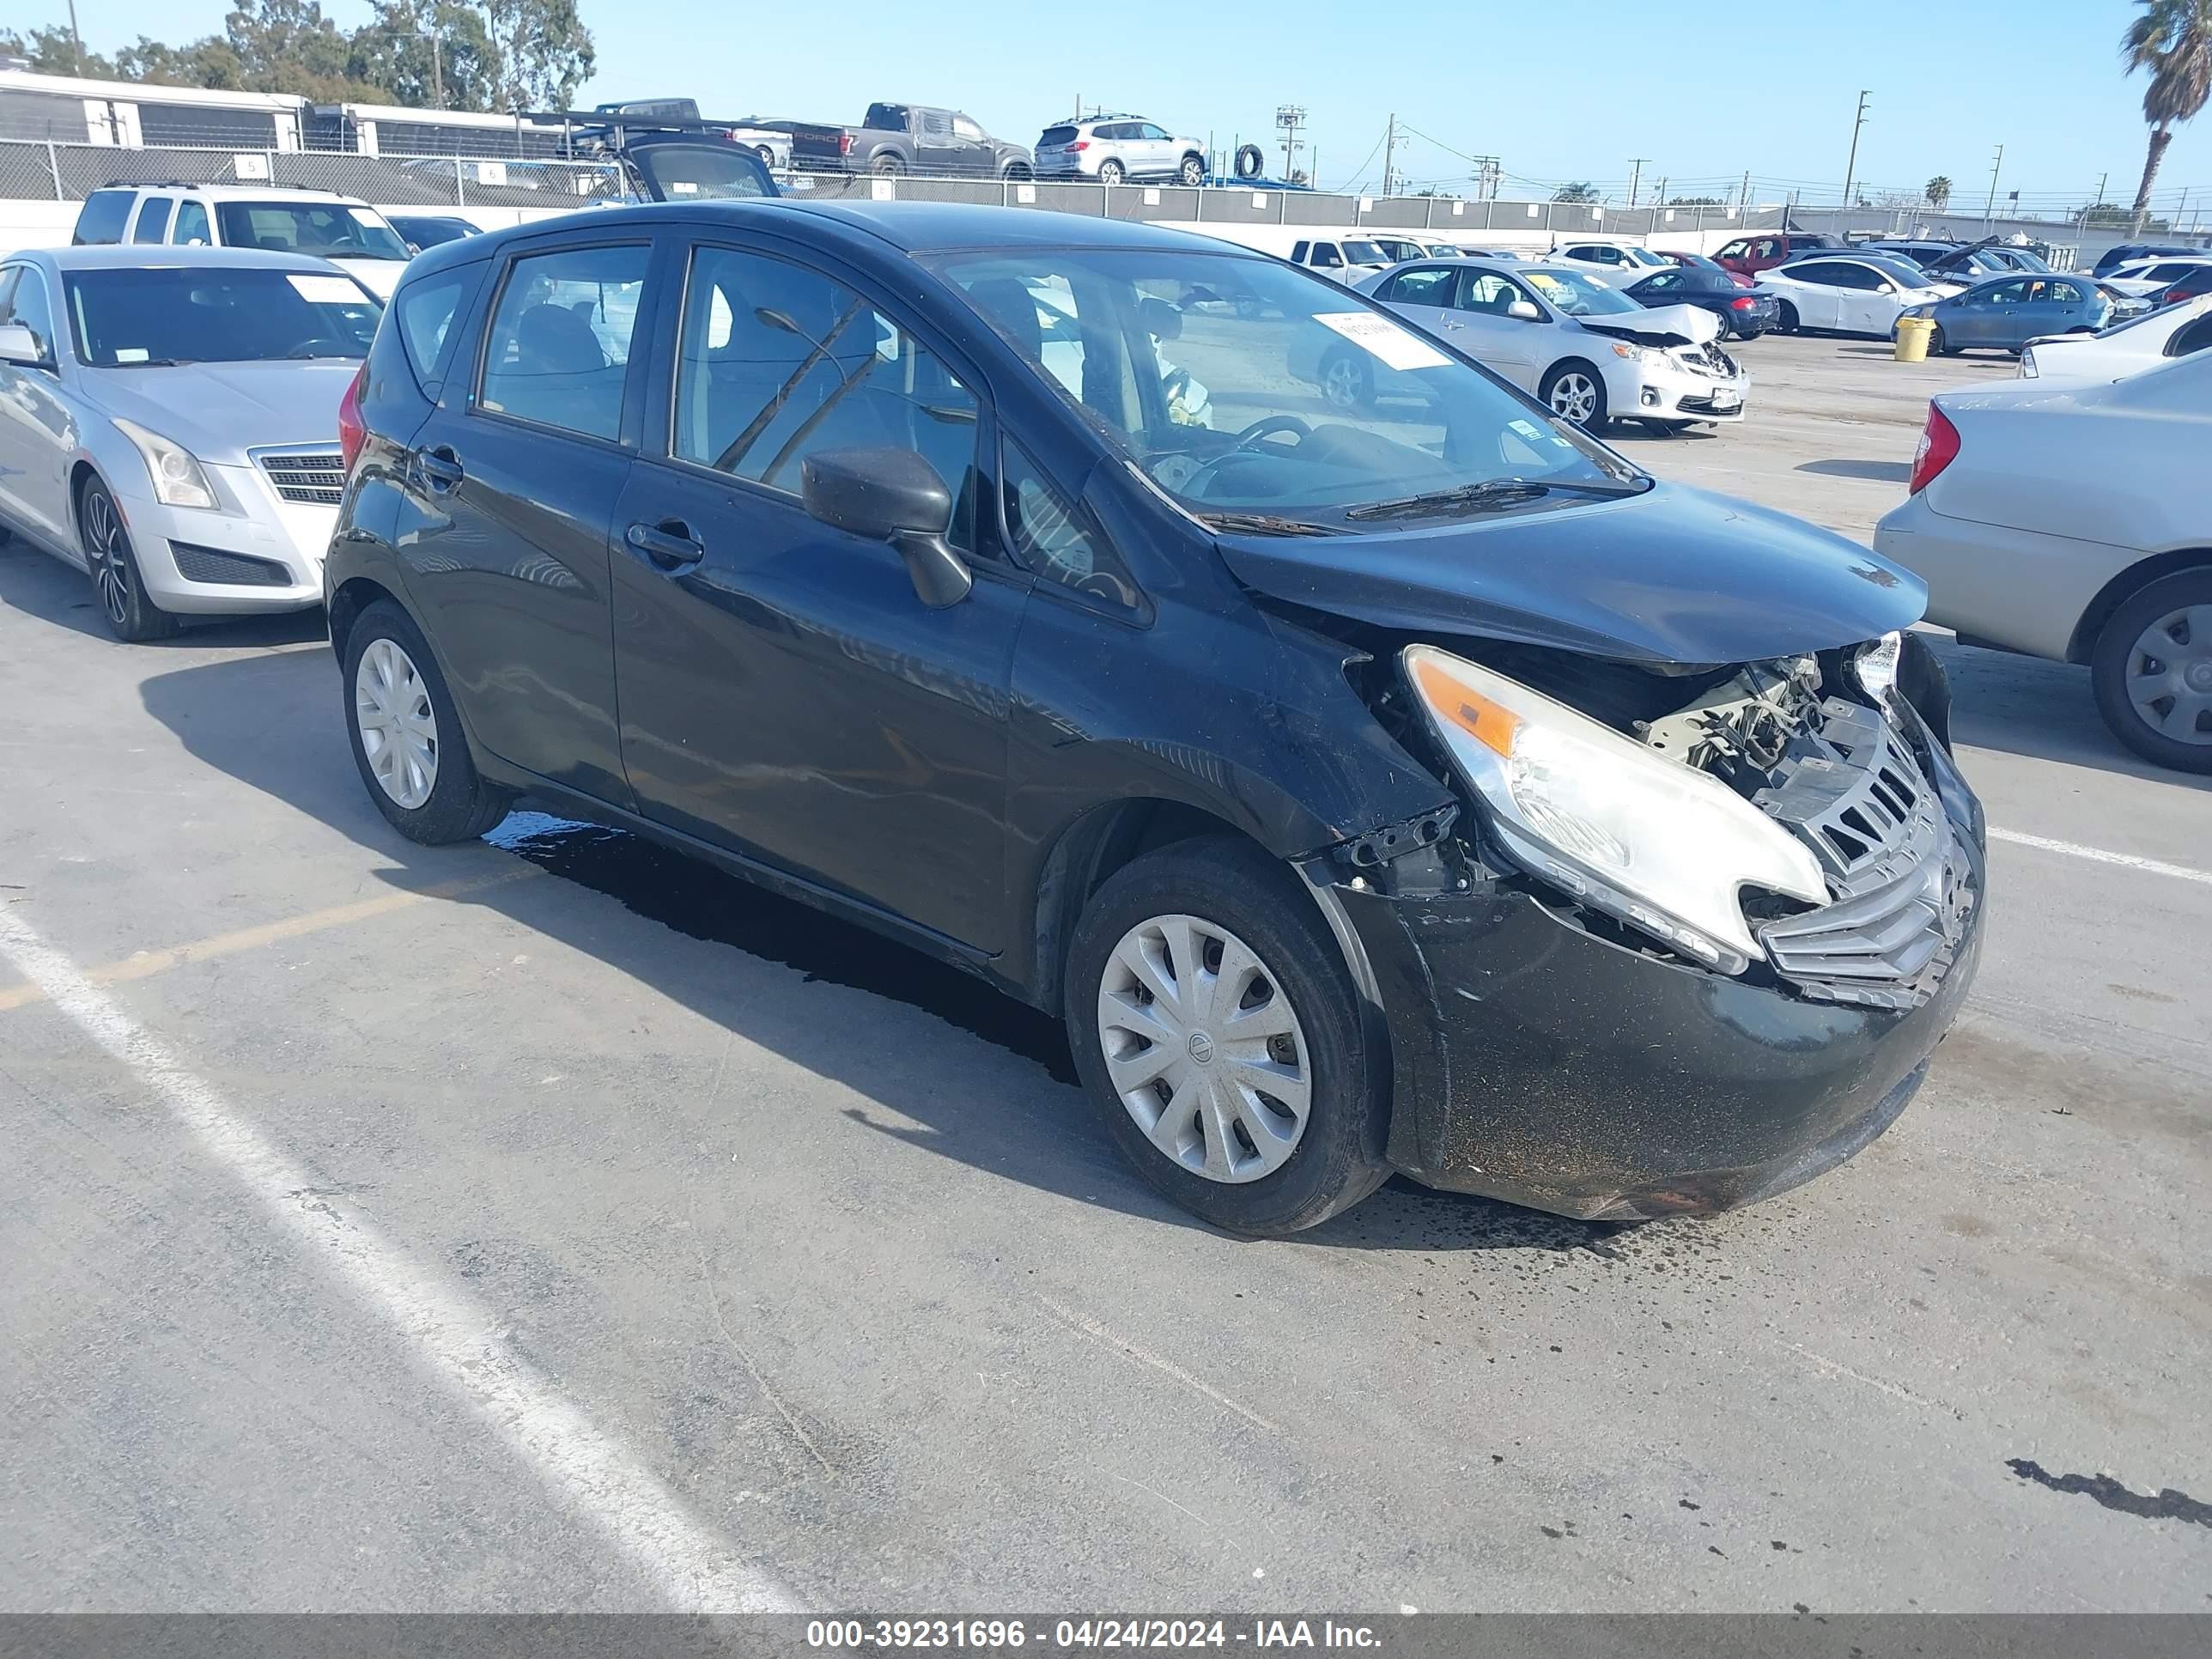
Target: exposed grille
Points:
(316, 480)
(1709, 358)
(1901, 886)
(211, 564)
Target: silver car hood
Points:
(1668, 323)
(219, 410)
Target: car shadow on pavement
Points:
(1008, 1107)
(2040, 710)
(64, 597)
(1879, 471)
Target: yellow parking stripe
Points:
(146, 963)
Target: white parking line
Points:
(2099, 855)
(460, 1340)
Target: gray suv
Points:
(1113, 147)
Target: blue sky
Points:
(1556, 91)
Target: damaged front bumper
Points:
(1536, 1060)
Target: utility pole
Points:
(1744, 205)
(1289, 118)
(1989, 207)
(437, 72)
(1852, 167)
(1389, 151)
(1487, 171)
(1635, 172)
(2101, 178)
(1659, 196)
(77, 41)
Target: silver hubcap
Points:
(1204, 1048)
(2170, 675)
(1110, 173)
(1574, 396)
(398, 732)
(103, 535)
(1340, 382)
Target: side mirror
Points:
(1889, 287)
(19, 346)
(1524, 311)
(891, 496)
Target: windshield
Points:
(1578, 296)
(152, 317)
(1365, 253)
(328, 230)
(1243, 386)
(688, 172)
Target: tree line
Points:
(499, 55)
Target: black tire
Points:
(2109, 662)
(1594, 422)
(461, 805)
(887, 166)
(118, 592)
(1192, 173)
(1111, 172)
(1338, 1159)
(1938, 346)
(1018, 172)
(1785, 321)
(1347, 380)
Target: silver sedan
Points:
(169, 422)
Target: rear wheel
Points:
(124, 605)
(1786, 321)
(1219, 1036)
(1575, 391)
(406, 734)
(887, 166)
(2151, 669)
(1111, 173)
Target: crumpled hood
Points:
(1661, 325)
(219, 410)
(1676, 574)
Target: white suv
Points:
(274, 218)
(1112, 148)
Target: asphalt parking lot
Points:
(547, 1223)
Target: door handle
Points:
(669, 544)
(440, 468)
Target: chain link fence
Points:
(38, 170)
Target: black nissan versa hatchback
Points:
(1421, 788)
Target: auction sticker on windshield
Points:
(1397, 348)
(325, 290)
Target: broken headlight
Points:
(1623, 829)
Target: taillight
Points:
(1080, 143)
(1939, 447)
(353, 434)
(1744, 304)
(844, 143)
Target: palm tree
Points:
(2172, 42)
(1938, 192)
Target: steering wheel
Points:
(1268, 427)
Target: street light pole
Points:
(77, 41)
(1852, 167)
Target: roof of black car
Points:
(908, 227)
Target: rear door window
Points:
(1431, 285)
(190, 230)
(153, 220)
(99, 223)
(2195, 338)
(559, 347)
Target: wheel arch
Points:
(352, 596)
(2123, 587)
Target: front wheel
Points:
(124, 605)
(1219, 1036)
(406, 734)
(1347, 382)
(1193, 171)
(1574, 391)
(1938, 346)
(2152, 670)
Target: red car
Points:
(1748, 256)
